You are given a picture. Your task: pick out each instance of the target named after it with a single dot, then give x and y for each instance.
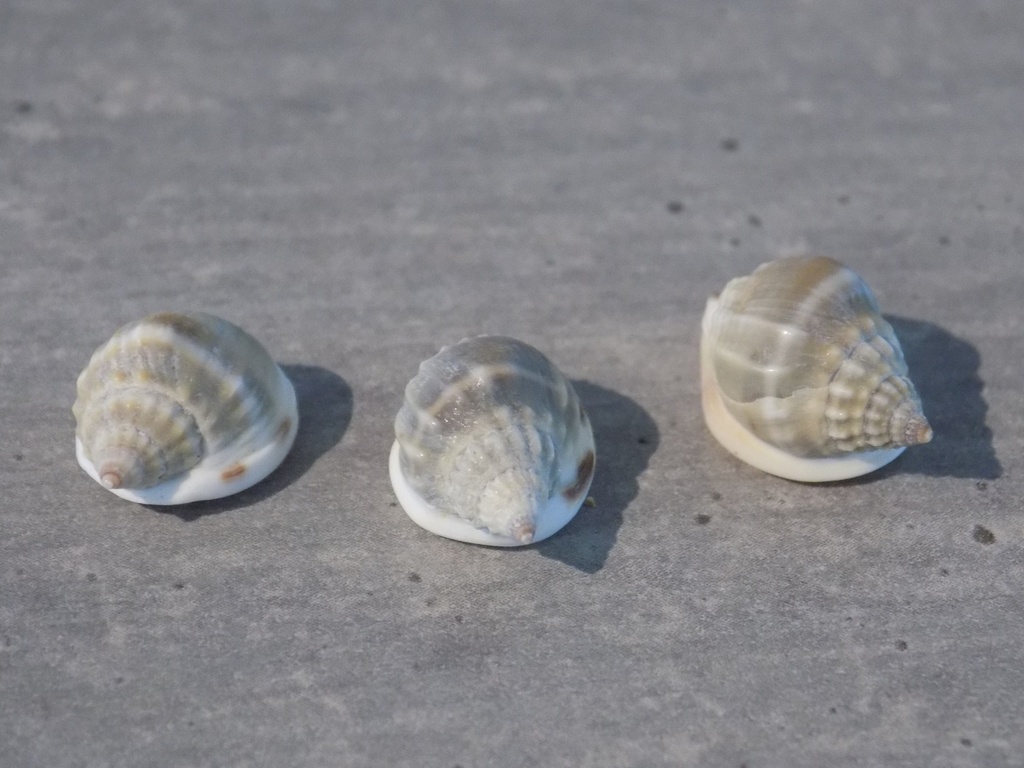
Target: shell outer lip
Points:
(749, 448)
(555, 516)
(203, 483)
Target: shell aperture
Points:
(492, 445)
(802, 377)
(176, 408)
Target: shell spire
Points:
(120, 468)
(514, 467)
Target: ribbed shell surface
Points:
(804, 359)
(487, 408)
(172, 389)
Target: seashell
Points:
(802, 377)
(182, 407)
(492, 445)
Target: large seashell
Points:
(182, 407)
(493, 446)
(802, 377)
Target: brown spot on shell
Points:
(502, 378)
(283, 429)
(185, 325)
(583, 474)
(232, 473)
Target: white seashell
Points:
(178, 408)
(802, 377)
(493, 446)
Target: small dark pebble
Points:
(191, 723)
(18, 457)
(981, 485)
(966, 742)
(393, 504)
(118, 680)
(901, 645)
(703, 519)
(23, 107)
(983, 535)
(430, 601)
(734, 242)
(716, 496)
(943, 239)
(843, 199)
(179, 585)
(754, 220)
(675, 206)
(415, 578)
(730, 144)
(943, 572)
(458, 618)
(90, 577)
(642, 440)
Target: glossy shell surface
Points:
(178, 408)
(492, 445)
(802, 377)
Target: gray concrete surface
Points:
(360, 182)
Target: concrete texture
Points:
(358, 183)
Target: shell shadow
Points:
(325, 409)
(944, 369)
(626, 437)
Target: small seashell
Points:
(492, 445)
(182, 407)
(802, 377)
